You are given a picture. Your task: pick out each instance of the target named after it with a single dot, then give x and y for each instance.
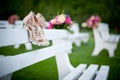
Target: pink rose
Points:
(50, 25)
(68, 20)
(60, 19)
(93, 21)
(13, 18)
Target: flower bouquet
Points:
(92, 22)
(12, 19)
(62, 21)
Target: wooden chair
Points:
(4, 24)
(104, 40)
(80, 36)
(18, 25)
(59, 48)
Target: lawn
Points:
(47, 69)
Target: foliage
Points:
(92, 22)
(61, 21)
(80, 10)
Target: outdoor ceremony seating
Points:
(104, 40)
(4, 24)
(83, 36)
(18, 25)
(60, 48)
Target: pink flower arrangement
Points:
(61, 21)
(13, 18)
(93, 21)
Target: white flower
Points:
(84, 24)
(53, 21)
(60, 19)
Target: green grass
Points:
(47, 69)
(83, 55)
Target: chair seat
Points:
(113, 39)
(91, 73)
(105, 40)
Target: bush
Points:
(79, 10)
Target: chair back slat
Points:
(103, 30)
(13, 36)
(20, 36)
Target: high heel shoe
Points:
(36, 33)
(42, 21)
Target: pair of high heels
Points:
(35, 25)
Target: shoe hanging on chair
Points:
(41, 20)
(35, 29)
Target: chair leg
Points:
(28, 46)
(63, 64)
(96, 51)
(85, 39)
(111, 52)
(16, 46)
(77, 42)
(111, 49)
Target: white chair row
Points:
(83, 36)
(104, 40)
(4, 24)
(60, 48)
(18, 25)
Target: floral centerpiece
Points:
(62, 21)
(92, 22)
(13, 18)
